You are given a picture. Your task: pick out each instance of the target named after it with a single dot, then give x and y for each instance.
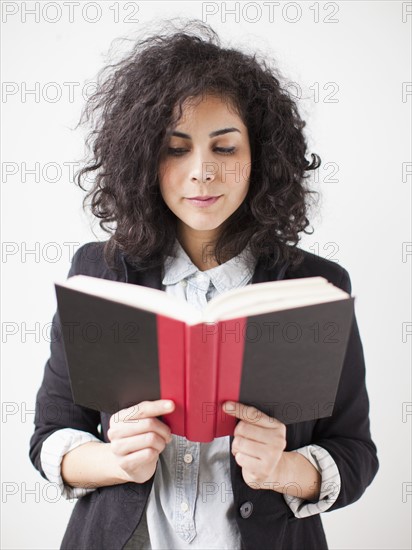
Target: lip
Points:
(203, 202)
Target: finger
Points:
(249, 463)
(259, 450)
(135, 443)
(119, 430)
(248, 447)
(250, 414)
(146, 409)
(138, 458)
(258, 433)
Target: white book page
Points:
(249, 300)
(252, 293)
(149, 299)
(277, 303)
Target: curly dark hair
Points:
(136, 104)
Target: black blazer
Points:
(106, 518)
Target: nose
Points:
(202, 170)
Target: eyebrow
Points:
(212, 134)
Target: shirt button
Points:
(188, 458)
(246, 509)
(183, 282)
(184, 507)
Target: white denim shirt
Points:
(192, 488)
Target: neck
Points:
(199, 246)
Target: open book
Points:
(278, 346)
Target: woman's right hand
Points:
(137, 438)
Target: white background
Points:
(364, 221)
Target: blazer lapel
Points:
(263, 275)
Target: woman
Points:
(199, 162)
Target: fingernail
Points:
(168, 405)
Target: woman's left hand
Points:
(258, 445)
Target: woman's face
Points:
(208, 155)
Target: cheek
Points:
(162, 187)
(239, 185)
(169, 180)
(165, 183)
(238, 173)
(170, 190)
(245, 171)
(172, 195)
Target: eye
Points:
(225, 150)
(176, 151)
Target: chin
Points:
(203, 227)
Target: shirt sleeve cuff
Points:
(330, 483)
(54, 448)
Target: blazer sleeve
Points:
(346, 434)
(54, 407)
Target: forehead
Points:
(208, 109)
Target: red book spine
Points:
(200, 367)
(171, 352)
(231, 344)
(201, 375)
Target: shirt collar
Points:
(234, 273)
